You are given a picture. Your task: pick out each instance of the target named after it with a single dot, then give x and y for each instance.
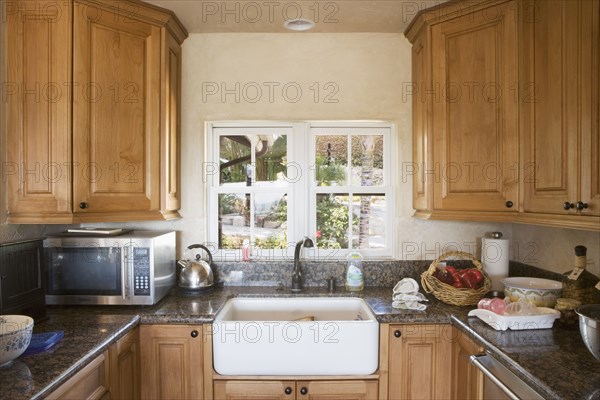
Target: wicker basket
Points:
(448, 293)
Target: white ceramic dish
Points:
(15, 335)
(541, 292)
(544, 320)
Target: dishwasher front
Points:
(500, 383)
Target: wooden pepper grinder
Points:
(579, 283)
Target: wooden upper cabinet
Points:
(506, 112)
(38, 108)
(120, 159)
(465, 111)
(116, 112)
(560, 116)
(475, 116)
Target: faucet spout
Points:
(297, 273)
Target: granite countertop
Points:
(554, 362)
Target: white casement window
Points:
(271, 183)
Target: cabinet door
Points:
(475, 115)
(171, 361)
(331, 390)
(550, 101)
(467, 380)
(38, 108)
(125, 367)
(254, 390)
(419, 361)
(116, 111)
(590, 168)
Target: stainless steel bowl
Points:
(589, 326)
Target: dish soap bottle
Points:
(579, 284)
(355, 279)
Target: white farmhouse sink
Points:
(295, 336)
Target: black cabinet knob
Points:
(397, 333)
(194, 333)
(509, 204)
(580, 205)
(568, 206)
(83, 205)
(288, 390)
(303, 391)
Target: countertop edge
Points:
(87, 358)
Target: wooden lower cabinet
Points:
(171, 361)
(467, 380)
(289, 389)
(419, 361)
(125, 367)
(92, 382)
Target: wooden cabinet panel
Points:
(421, 114)
(89, 383)
(170, 144)
(419, 361)
(255, 390)
(125, 367)
(475, 118)
(296, 390)
(171, 362)
(590, 187)
(467, 380)
(550, 165)
(560, 123)
(116, 114)
(340, 390)
(38, 108)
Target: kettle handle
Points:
(199, 246)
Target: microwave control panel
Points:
(141, 271)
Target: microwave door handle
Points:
(124, 268)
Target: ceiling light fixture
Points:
(299, 24)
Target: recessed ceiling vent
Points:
(299, 24)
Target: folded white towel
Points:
(407, 286)
(406, 295)
(409, 297)
(409, 305)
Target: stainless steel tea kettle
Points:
(195, 273)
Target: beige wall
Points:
(369, 71)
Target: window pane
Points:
(368, 221)
(235, 158)
(367, 160)
(234, 220)
(331, 156)
(332, 221)
(270, 221)
(270, 153)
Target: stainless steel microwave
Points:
(134, 268)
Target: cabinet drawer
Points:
(89, 383)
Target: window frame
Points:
(301, 189)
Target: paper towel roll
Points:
(494, 256)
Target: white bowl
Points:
(15, 335)
(541, 292)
